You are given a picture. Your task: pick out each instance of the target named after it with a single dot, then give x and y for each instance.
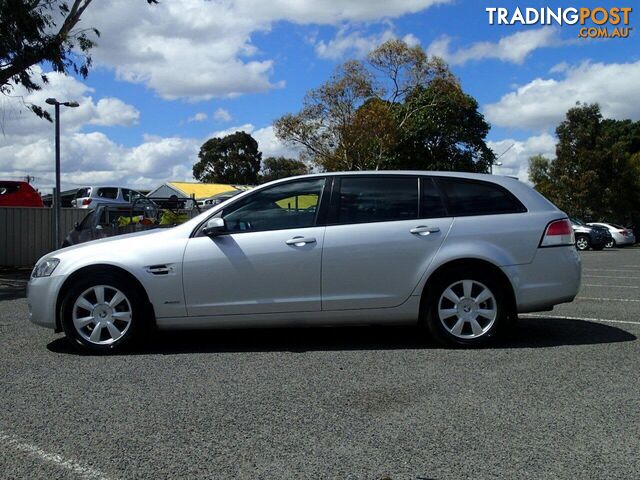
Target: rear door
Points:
(383, 232)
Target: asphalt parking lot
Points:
(557, 398)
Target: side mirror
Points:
(214, 227)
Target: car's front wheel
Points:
(582, 243)
(466, 308)
(101, 314)
(610, 244)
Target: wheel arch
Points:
(100, 268)
(468, 263)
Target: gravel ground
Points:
(558, 398)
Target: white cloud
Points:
(356, 43)
(542, 103)
(513, 48)
(515, 154)
(198, 117)
(222, 115)
(198, 50)
(22, 126)
(89, 157)
(332, 11)
(268, 143)
(271, 146)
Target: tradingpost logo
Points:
(594, 22)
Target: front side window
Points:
(466, 197)
(108, 193)
(377, 199)
(289, 205)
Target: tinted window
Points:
(126, 194)
(291, 205)
(431, 201)
(377, 199)
(83, 193)
(477, 198)
(108, 193)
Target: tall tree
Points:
(36, 31)
(441, 128)
(232, 159)
(274, 168)
(596, 173)
(387, 112)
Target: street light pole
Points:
(56, 197)
(56, 194)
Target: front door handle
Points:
(300, 241)
(424, 230)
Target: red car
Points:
(18, 194)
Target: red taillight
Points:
(557, 233)
(86, 201)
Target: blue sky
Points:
(161, 74)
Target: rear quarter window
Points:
(472, 197)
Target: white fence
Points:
(26, 233)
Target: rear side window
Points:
(377, 199)
(108, 193)
(468, 197)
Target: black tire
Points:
(610, 244)
(138, 311)
(582, 242)
(436, 327)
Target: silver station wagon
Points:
(458, 254)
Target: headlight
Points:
(45, 268)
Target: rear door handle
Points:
(424, 230)
(300, 241)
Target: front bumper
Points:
(42, 297)
(552, 277)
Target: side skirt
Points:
(407, 313)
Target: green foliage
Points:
(233, 159)
(441, 129)
(400, 109)
(596, 173)
(275, 168)
(37, 31)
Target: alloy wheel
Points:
(102, 315)
(582, 243)
(467, 309)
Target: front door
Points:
(267, 261)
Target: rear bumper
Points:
(552, 277)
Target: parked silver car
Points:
(620, 236)
(460, 254)
(91, 197)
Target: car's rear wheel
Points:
(610, 244)
(582, 242)
(466, 308)
(102, 314)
